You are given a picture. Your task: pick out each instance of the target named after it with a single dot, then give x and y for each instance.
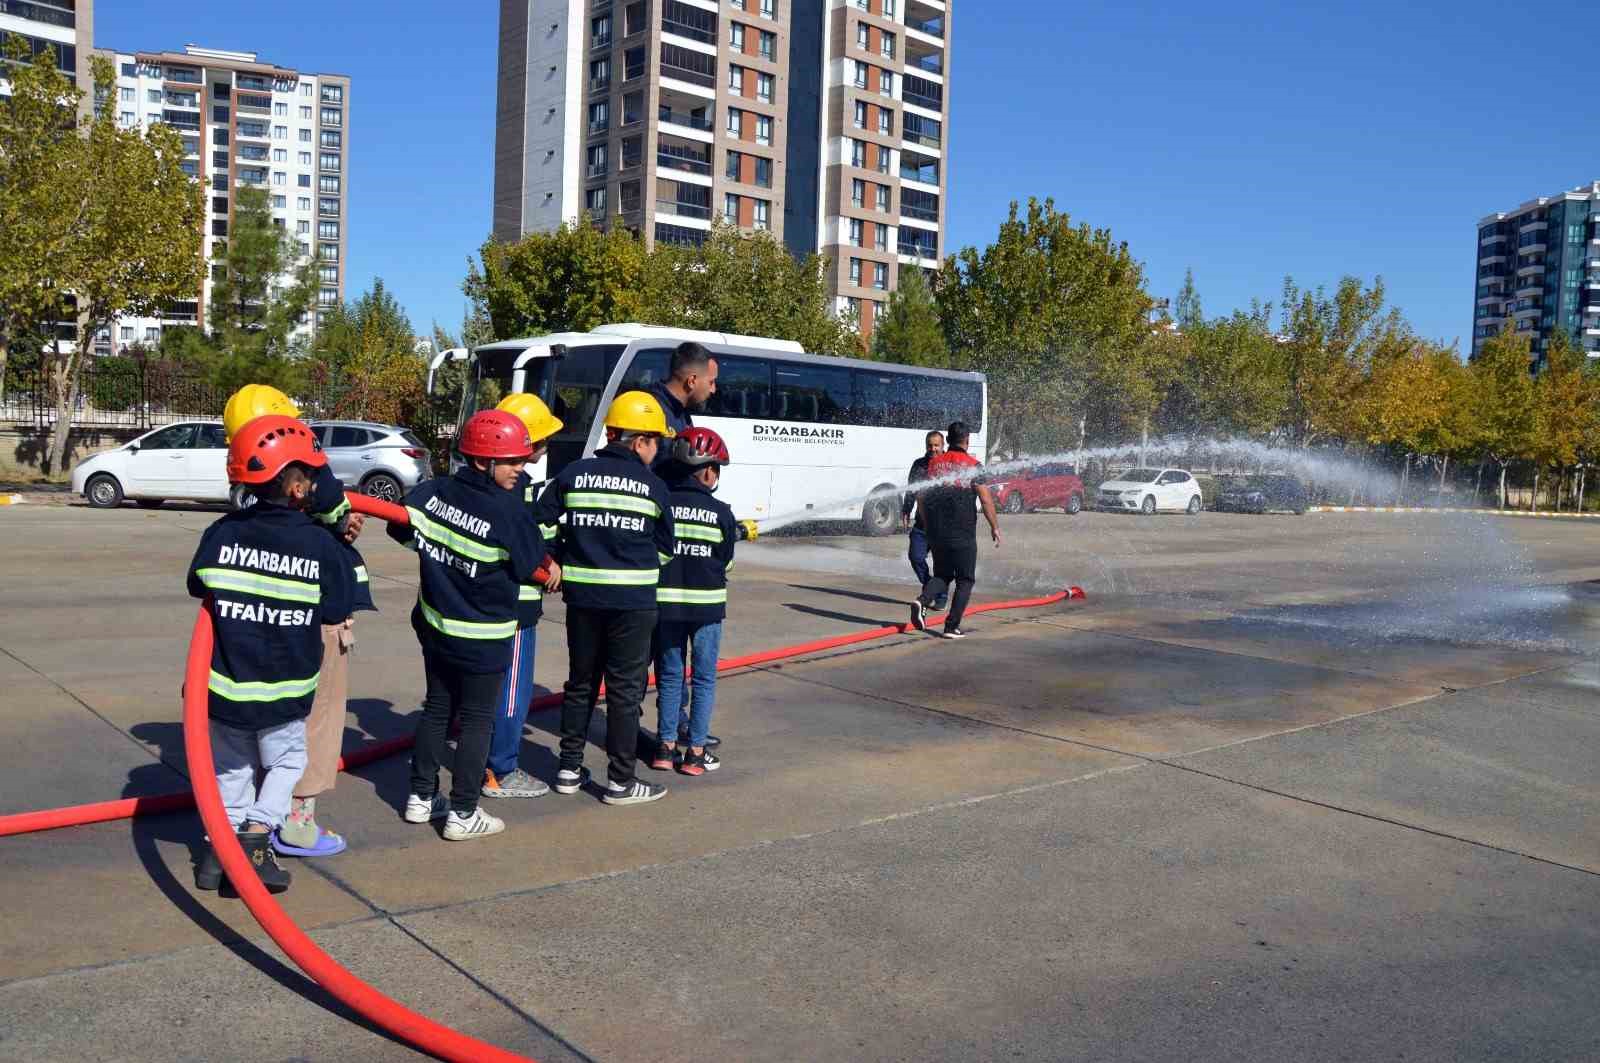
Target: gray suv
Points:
(379, 459)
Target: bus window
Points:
(744, 388)
(883, 399)
(941, 400)
(580, 380)
(648, 366)
(819, 394)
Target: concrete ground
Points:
(1316, 788)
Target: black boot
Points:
(258, 850)
(208, 872)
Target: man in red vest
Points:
(953, 528)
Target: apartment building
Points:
(245, 124)
(821, 121)
(1539, 270)
(64, 28)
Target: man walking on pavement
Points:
(953, 529)
(913, 518)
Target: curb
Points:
(1446, 509)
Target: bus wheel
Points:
(881, 514)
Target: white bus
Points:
(809, 434)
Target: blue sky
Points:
(1244, 139)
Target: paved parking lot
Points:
(1304, 788)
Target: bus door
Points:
(578, 385)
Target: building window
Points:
(736, 79)
(858, 192)
(332, 116)
(763, 216)
(328, 252)
(280, 132)
(863, 38)
(332, 138)
(885, 121)
(128, 119)
(328, 230)
(883, 159)
(769, 45)
(860, 74)
(633, 19)
(880, 236)
(328, 184)
(858, 153)
(763, 129)
(219, 113)
(302, 203)
(332, 94)
(597, 160)
(769, 8)
(279, 178)
(600, 32)
(886, 83)
(306, 88)
(280, 202)
(281, 110)
(303, 180)
(730, 208)
(302, 228)
(594, 200)
(599, 74)
(280, 155)
(880, 276)
(886, 44)
(329, 274)
(855, 272)
(763, 172)
(861, 115)
(736, 36)
(305, 158)
(857, 238)
(327, 296)
(305, 114)
(129, 94)
(732, 170)
(151, 334)
(599, 116)
(632, 108)
(126, 332)
(331, 163)
(219, 226)
(888, 9)
(764, 87)
(735, 121)
(883, 197)
(328, 205)
(153, 95)
(305, 136)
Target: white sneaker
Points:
(571, 780)
(423, 809)
(480, 824)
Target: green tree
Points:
(909, 331)
(364, 361)
(1503, 400)
(1327, 345)
(1564, 410)
(1043, 310)
(128, 240)
(261, 293)
(569, 280)
(1186, 309)
(1232, 381)
(747, 283)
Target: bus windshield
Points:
(578, 382)
(490, 378)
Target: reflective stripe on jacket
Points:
(614, 530)
(694, 584)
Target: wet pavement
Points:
(1284, 788)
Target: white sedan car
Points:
(186, 460)
(1149, 490)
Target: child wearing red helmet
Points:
(692, 600)
(271, 578)
(475, 544)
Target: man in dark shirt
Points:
(953, 529)
(912, 517)
(691, 380)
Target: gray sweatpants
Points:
(278, 751)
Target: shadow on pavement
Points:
(849, 618)
(860, 596)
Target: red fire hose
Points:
(391, 1015)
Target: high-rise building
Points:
(822, 121)
(64, 27)
(1539, 270)
(245, 124)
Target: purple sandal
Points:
(328, 844)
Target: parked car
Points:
(1043, 487)
(1149, 490)
(384, 461)
(187, 460)
(1259, 494)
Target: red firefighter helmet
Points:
(699, 447)
(495, 434)
(261, 449)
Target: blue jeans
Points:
(703, 643)
(511, 708)
(918, 555)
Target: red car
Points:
(1043, 487)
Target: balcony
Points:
(682, 209)
(922, 93)
(688, 119)
(689, 75)
(181, 119)
(679, 236)
(926, 173)
(50, 16)
(262, 104)
(933, 27)
(1532, 267)
(1496, 238)
(1530, 226)
(254, 130)
(684, 20)
(917, 248)
(920, 213)
(684, 160)
(251, 81)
